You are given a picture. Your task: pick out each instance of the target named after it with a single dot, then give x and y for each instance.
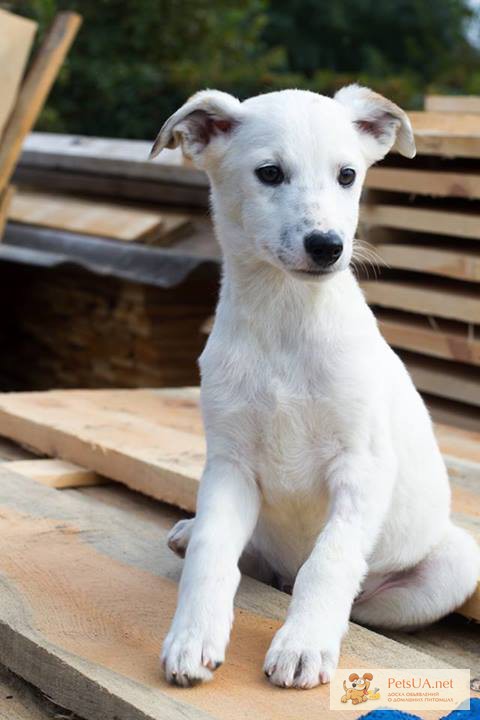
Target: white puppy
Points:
(321, 454)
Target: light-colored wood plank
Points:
(434, 183)
(55, 473)
(427, 220)
(442, 340)
(446, 134)
(445, 379)
(88, 216)
(454, 304)
(135, 437)
(459, 443)
(453, 263)
(35, 89)
(90, 638)
(117, 158)
(16, 37)
(95, 217)
(452, 103)
(6, 197)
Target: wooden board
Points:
(454, 263)
(6, 197)
(94, 217)
(16, 37)
(455, 304)
(148, 440)
(452, 103)
(54, 473)
(447, 134)
(35, 89)
(90, 638)
(434, 183)
(440, 339)
(445, 379)
(110, 157)
(427, 220)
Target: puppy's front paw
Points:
(301, 657)
(191, 653)
(179, 536)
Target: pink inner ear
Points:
(371, 127)
(223, 125)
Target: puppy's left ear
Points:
(202, 123)
(381, 124)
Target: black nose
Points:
(323, 247)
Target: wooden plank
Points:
(443, 378)
(454, 263)
(151, 444)
(91, 642)
(446, 134)
(441, 339)
(21, 701)
(87, 216)
(114, 158)
(6, 198)
(35, 89)
(55, 473)
(461, 415)
(427, 220)
(452, 103)
(425, 299)
(16, 38)
(434, 183)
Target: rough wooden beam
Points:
(88, 592)
(35, 89)
(426, 299)
(418, 219)
(54, 473)
(434, 183)
(447, 262)
(452, 103)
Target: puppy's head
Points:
(287, 168)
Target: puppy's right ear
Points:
(353, 677)
(207, 117)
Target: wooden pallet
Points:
(152, 441)
(89, 591)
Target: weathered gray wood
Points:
(21, 701)
(87, 592)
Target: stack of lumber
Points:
(422, 218)
(89, 639)
(69, 328)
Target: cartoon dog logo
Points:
(357, 692)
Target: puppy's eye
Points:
(270, 174)
(346, 176)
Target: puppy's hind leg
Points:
(179, 536)
(438, 585)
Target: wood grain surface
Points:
(88, 592)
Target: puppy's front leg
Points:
(305, 651)
(227, 511)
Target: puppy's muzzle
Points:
(324, 248)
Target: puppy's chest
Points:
(297, 437)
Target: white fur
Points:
(321, 454)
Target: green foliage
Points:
(135, 61)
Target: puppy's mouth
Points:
(311, 273)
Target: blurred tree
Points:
(135, 61)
